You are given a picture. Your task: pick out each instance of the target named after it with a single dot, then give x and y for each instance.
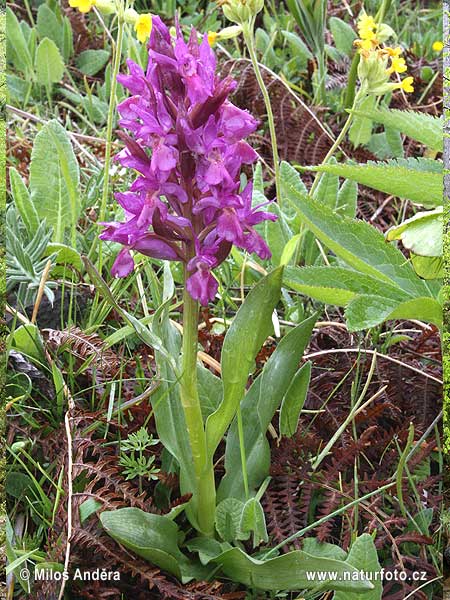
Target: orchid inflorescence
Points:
(186, 203)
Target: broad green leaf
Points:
(364, 557)
(228, 519)
(428, 267)
(27, 340)
(395, 142)
(361, 128)
(17, 45)
(289, 249)
(264, 397)
(90, 62)
(54, 179)
(294, 400)
(422, 233)
(291, 571)
(49, 63)
(327, 190)
(359, 244)
(343, 35)
(303, 52)
(325, 550)
(209, 390)
(367, 311)
(337, 285)
(416, 179)
(23, 202)
(277, 234)
(152, 537)
(65, 255)
(250, 328)
(207, 548)
(48, 25)
(419, 126)
(88, 508)
(254, 521)
(347, 199)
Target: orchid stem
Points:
(248, 31)
(203, 467)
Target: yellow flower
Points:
(143, 27)
(212, 37)
(366, 44)
(407, 84)
(83, 6)
(367, 27)
(398, 65)
(393, 52)
(438, 46)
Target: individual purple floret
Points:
(185, 142)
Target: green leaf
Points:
(65, 255)
(422, 233)
(325, 550)
(359, 244)
(254, 521)
(361, 128)
(250, 328)
(23, 202)
(367, 311)
(54, 179)
(263, 397)
(347, 199)
(49, 63)
(416, 179)
(48, 25)
(67, 40)
(207, 548)
(228, 519)
(27, 340)
(88, 508)
(337, 285)
(419, 126)
(291, 571)
(90, 62)
(294, 400)
(152, 537)
(428, 267)
(302, 50)
(327, 190)
(343, 35)
(17, 45)
(209, 390)
(364, 557)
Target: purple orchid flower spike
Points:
(186, 142)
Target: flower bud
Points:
(130, 16)
(241, 11)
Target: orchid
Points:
(186, 142)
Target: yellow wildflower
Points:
(212, 37)
(367, 27)
(393, 52)
(398, 65)
(438, 46)
(407, 84)
(366, 45)
(83, 6)
(143, 27)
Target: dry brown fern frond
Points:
(85, 347)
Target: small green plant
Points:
(135, 464)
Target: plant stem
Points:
(109, 125)
(204, 472)
(336, 143)
(248, 29)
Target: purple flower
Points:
(186, 142)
